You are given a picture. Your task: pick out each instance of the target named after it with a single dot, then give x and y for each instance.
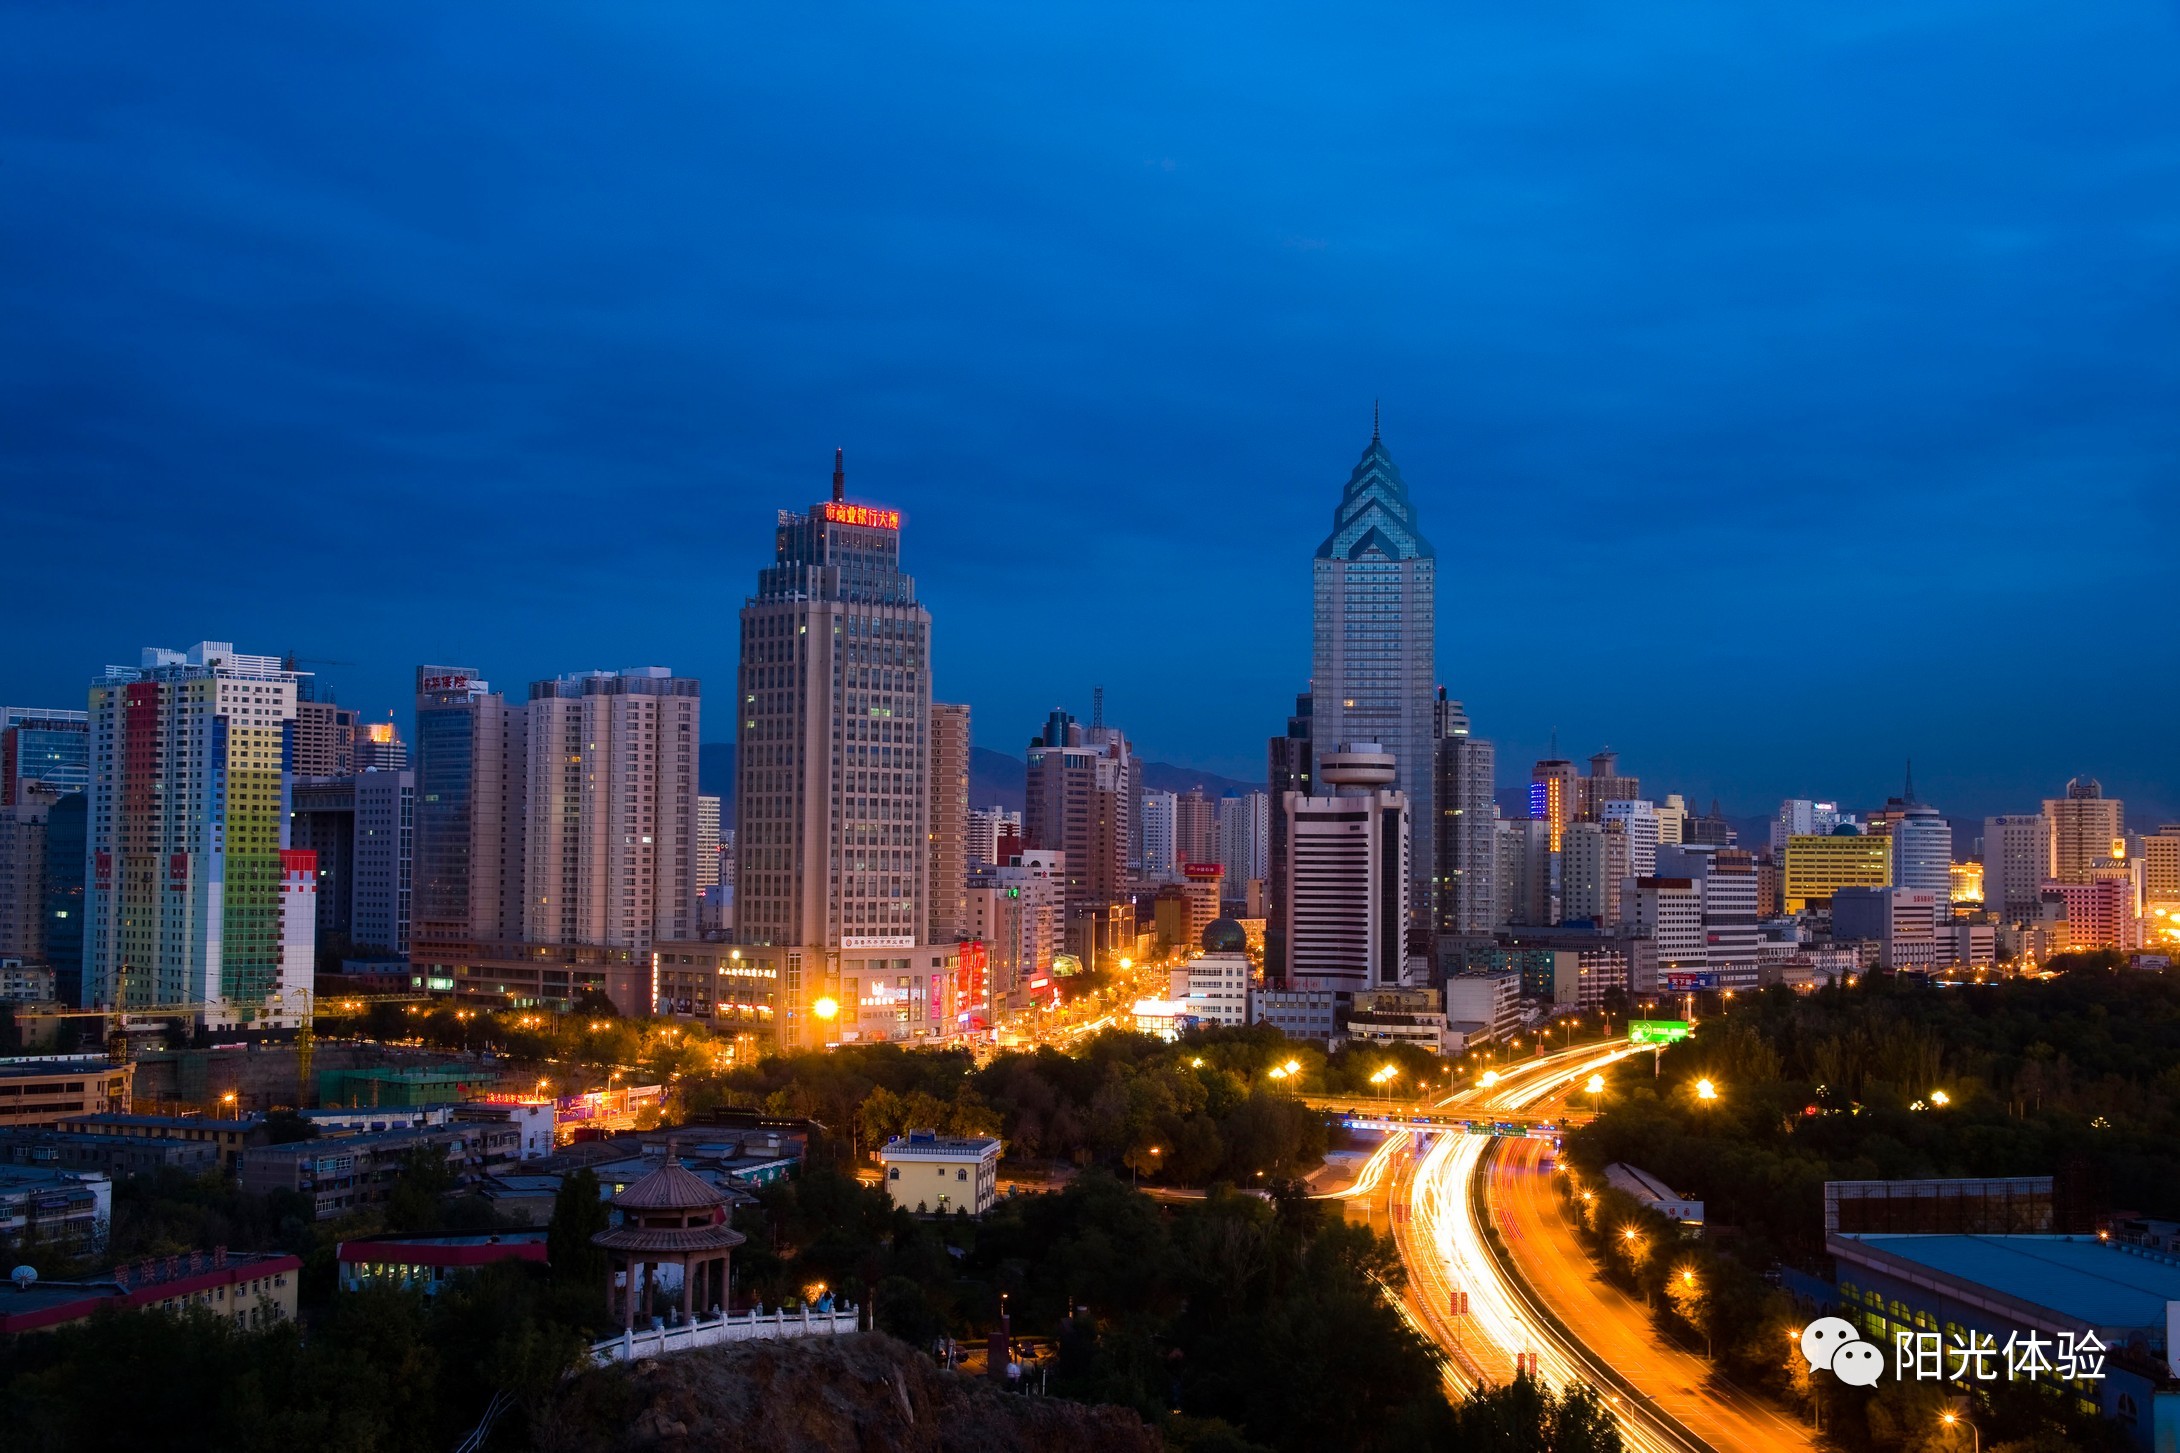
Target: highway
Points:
(1435, 1204)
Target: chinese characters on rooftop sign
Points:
(870, 515)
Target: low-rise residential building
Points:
(116, 1156)
(1489, 998)
(48, 1206)
(426, 1263)
(250, 1290)
(343, 1173)
(232, 1137)
(929, 1172)
(47, 1089)
(1401, 1016)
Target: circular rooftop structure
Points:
(1225, 936)
(1358, 764)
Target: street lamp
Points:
(1596, 1088)
(1706, 1091)
(1954, 1418)
(1940, 1098)
(1384, 1077)
(231, 1103)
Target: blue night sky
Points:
(1787, 389)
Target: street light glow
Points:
(1705, 1090)
(1596, 1086)
(826, 1007)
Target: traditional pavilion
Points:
(669, 1217)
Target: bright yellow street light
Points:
(1940, 1097)
(1596, 1086)
(1491, 1077)
(1706, 1091)
(826, 1007)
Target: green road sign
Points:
(1657, 1031)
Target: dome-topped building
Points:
(1225, 936)
(669, 1216)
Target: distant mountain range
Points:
(995, 779)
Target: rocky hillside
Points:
(863, 1394)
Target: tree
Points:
(579, 1213)
(412, 1202)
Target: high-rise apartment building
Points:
(609, 841)
(1673, 819)
(325, 736)
(361, 830)
(61, 939)
(1373, 661)
(1157, 831)
(1594, 863)
(472, 768)
(191, 895)
(833, 787)
(1524, 873)
(1245, 831)
(1465, 856)
(2088, 831)
(1802, 817)
(1014, 911)
(1726, 880)
(43, 749)
(22, 879)
(1346, 911)
(2161, 868)
(988, 827)
(949, 821)
(1195, 828)
(1665, 918)
(1078, 800)
(1605, 783)
(708, 819)
(1640, 819)
(1290, 761)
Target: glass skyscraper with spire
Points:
(1373, 663)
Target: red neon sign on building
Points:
(869, 515)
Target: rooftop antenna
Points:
(1373, 421)
(1097, 708)
(840, 475)
(1909, 791)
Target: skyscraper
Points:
(833, 791)
(2087, 831)
(707, 841)
(1346, 915)
(1195, 827)
(1373, 661)
(1244, 841)
(379, 747)
(1641, 818)
(1466, 853)
(1077, 801)
(1605, 783)
(472, 767)
(988, 827)
(192, 887)
(1157, 815)
(2016, 864)
(1291, 766)
(949, 821)
(325, 736)
(1552, 792)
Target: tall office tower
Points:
(1922, 855)
(325, 736)
(988, 827)
(1604, 784)
(833, 795)
(47, 747)
(1524, 872)
(2161, 867)
(379, 747)
(707, 842)
(1641, 819)
(190, 875)
(62, 936)
(1466, 853)
(1593, 866)
(1290, 766)
(609, 841)
(1076, 801)
(1245, 831)
(1195, 827)
(1373, 661)
(472, 796)
(1726, 877)
(22, 878)
(1346, 915)
(2088, 831)
(1157, 818)
(361, 830)
(1673, 819)
(1709, 829)
(949, 822)
(1552, 795)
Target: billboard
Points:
(1657, 1031)
(1684, 982)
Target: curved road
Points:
(1662, 1396)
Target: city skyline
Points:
(355, 335)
